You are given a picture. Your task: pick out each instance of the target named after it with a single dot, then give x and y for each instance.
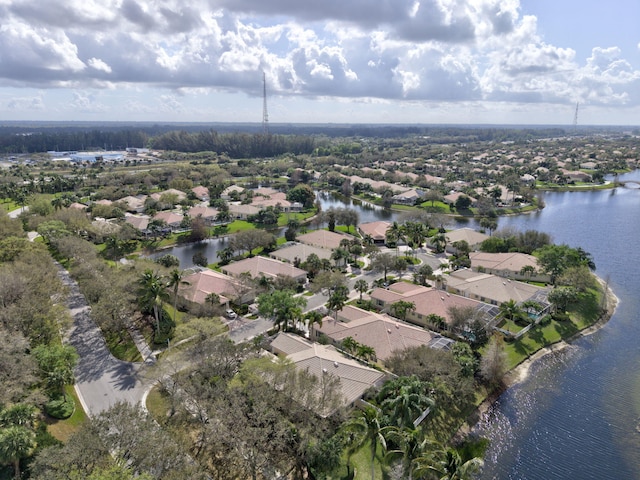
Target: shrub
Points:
(60, 408)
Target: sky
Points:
(329, 61)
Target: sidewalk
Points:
(148, 356)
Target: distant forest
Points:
(241, 140)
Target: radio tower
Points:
(575, 117)
(265, 115)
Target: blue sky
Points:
(353, 61)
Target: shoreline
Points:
(521, 371)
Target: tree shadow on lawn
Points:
(566, 329)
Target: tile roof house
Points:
(492, 289)
(201, 193)
(410, 197)
(508, 265)
(427, 301)
(264, 202)
(264, 267)
(134, 204)
(300, 251)
(320, 360)
(324, 238)
(382, 333)
(226, 193)
(172, 219)
(243, 211)
(377, 230)
(209, 214)
(205, 282)
(171, 191)
(452, 198)
(265, 191)
(472, 237)
(141, 222)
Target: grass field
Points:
(63, 429)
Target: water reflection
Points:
(576, 414)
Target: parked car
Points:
(230, 313)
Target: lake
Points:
(577, 414)
(211, 247)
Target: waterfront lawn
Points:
(283, 219)
(240, 225)
(581, 315)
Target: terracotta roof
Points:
(355, 378)
(491, 287)
(206, 212)
(262, 266)
(207, 281)
(170, 218)
(512, 261)
(324, 238)
(380, 332)
(469, 235)
(200, 191)
(141, 222)
(377, 230)
(301, 251)
(427, 300)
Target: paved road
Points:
(15, 213)
(101, 379)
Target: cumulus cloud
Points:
(410, 50)
(21, 104)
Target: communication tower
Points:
(265, 115)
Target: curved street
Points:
(101, 379)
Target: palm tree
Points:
(439, 242)
(368, 428)
(226, 254)
(528, 270)
(447, 464)
(410, 444)
(416, 233)
(312, 317)
(340, 256)
(361, 286)
(349, 345)
(175, 280)
(405, 399)
(401, 308)
(16, 443)
(337, 299)
(394, 234)
(152, 293)
(510, 310)
(19, 414)
(365, 352)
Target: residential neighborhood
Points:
(329, 292)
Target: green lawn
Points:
(240, 225)
(157, 404)
(123, 347)
(582, 315)
(8, 205)
(360, 461)
(63, 429)
(284, 218)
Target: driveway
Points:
(101, 379)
